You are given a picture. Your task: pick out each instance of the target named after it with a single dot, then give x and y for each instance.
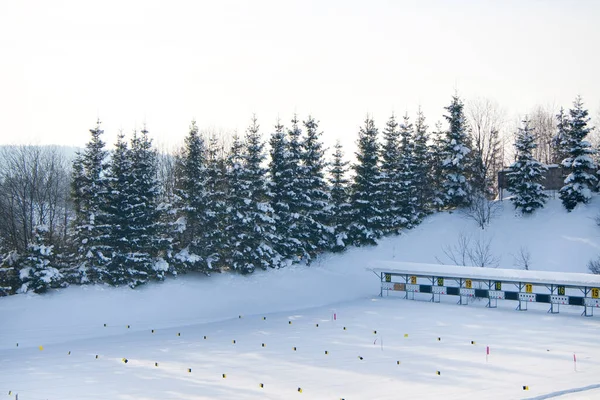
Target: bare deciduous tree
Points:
(482, 210)
(543, 124)
(467, 251)
(523, 258)
(487, 122)
(34, 181)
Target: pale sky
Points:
(63, 64)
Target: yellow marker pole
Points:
(41, 348)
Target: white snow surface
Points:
(403, 344)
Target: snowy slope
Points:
(527, 348)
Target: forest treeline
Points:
(132, 215)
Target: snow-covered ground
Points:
(282, 309)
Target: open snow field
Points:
(403, 343)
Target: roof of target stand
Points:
(491, 274)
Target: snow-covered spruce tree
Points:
(317, 207)
(581, 181)
(340, 205)
(456, 161)
(298, 230)
(38, 272)
(408, 194)
(366, 214)
(191, 203)
(216, 185)
(391, 180)
(250, 228)
(145, 243)
(118, 208)
(560, 145)
(88, 191)
(525, 173)
(282, 175)
(435, 166)
(422, 158)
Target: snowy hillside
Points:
(281, 309)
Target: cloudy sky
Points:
(63, 64)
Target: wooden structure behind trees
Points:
(554, 178)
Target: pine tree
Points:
(408, 193)
(88, 191)
(526, 173)
(422, 156)
(580, 182)
(366, 225)
(340, 205)
(391, 179)
(38, 272)
(317, 207)
(455, 163)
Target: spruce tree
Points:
(38, 271)
(118, 207)
(340, 200)
(282, 175)
(251, 227)
(456, 187)
(408, 193)
(391, 179)
(144, 216)
(422, 174)
(581, 181)
(366, 225)
(191, 201)
(317, 202)
(435, 167)
(88, 191)
(526, 172)
(560, 145)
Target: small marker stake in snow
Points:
(317, 325)
(344, 328)
(125, 360)
(233, 341)
(96, 356)
(397, 362)
(360, 358)
(472, 342)
(300, 390)
(105, 325)
(487, 353)
(128, 326)
(17, 344)
(178, 333)
(439, 339)
(41, 348)
(374, 332)
(525, 387)
(261, 385)
(152, 330)
(294, 348)
(289, 322)
(239, 316)
(263, 345)
(224, 376)
(156, 364)
(326, 352)
(190, 370)
(69, 353)
(204, 337)
(264, 318)
(574, 362)
(438, 373)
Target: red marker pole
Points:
(487, 353)
(574, 362)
